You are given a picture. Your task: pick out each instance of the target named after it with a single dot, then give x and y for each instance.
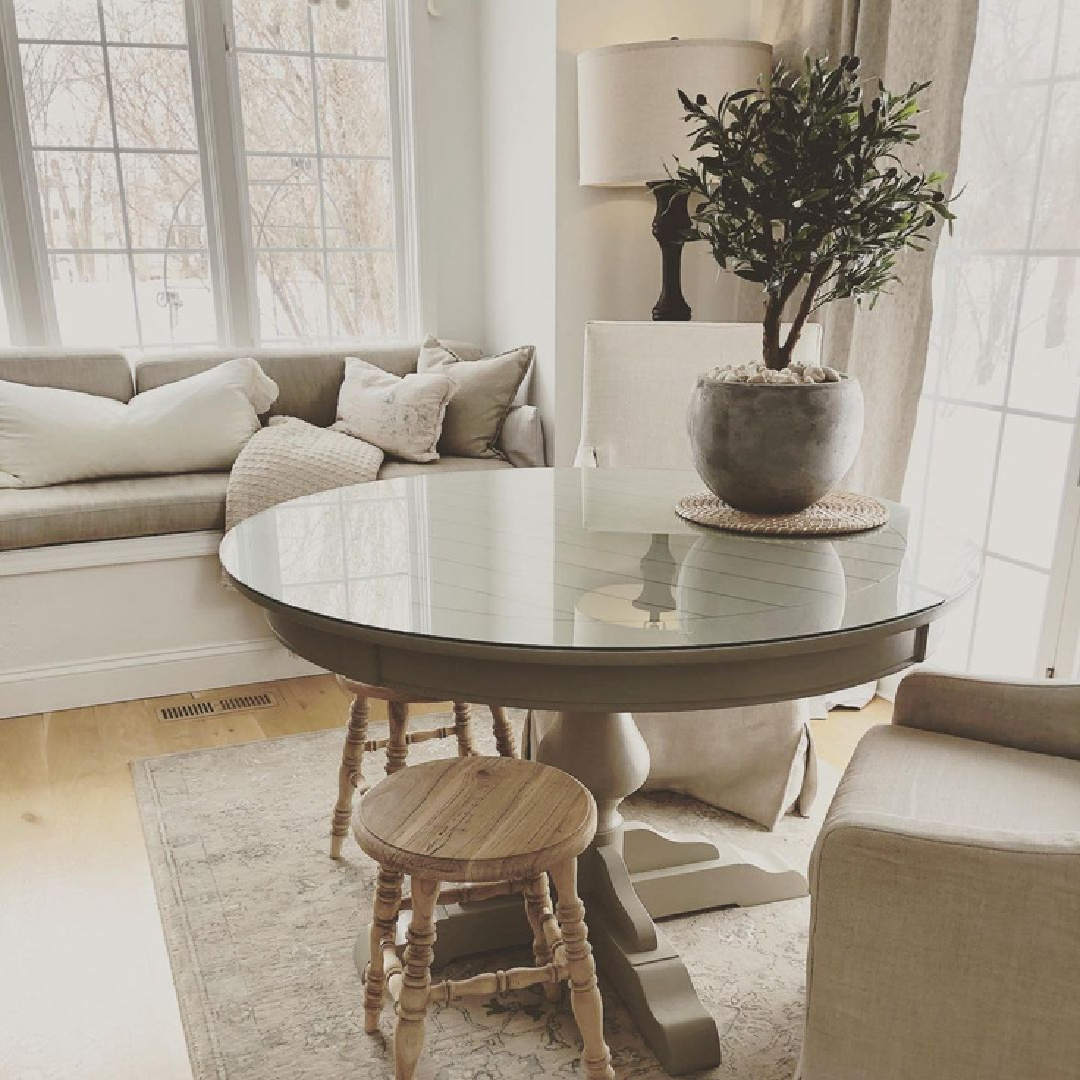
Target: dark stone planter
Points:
(774, 449)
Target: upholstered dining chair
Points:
(757, 761)
(945, 890)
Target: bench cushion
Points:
(146, 505)
(111, 509)
(445, 464)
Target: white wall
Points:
(558, 254)
(608, 262)
(519, 138)
(449, 111)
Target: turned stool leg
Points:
(584, 993)
(412, 1005)
(504, 733)
(350, 775)
(397, 750)
(463, 729)
(383, 928)
(537, 906)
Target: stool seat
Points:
(479, 819)
(351, 774)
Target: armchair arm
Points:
(1025, 714)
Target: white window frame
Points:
(31, 309)
(24, 269)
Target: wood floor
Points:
(85, 987)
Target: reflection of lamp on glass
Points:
(635, 611)
(658, 570)
(631, 126)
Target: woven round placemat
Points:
(837, 514)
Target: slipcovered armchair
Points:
(756, 761)
(945, 884)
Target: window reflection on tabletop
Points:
(593, 558)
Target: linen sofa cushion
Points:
(308, 377)
(111, 509)
(445, 464)
(486, 389)
(147, 505)
(51, 436)
(89, 371)
(402, 416)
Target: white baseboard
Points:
(152, 674)
(115, 620)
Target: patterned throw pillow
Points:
(402, 416)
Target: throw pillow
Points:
(486, 389)
(401, 415)
(50, 436)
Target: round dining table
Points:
(579, 594)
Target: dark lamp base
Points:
(669, 226)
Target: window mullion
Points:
(24, 264)
(121, 185)
(319, 173)
(412, 313)
(221, 135)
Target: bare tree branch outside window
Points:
(110, 105)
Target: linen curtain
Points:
(898, 41)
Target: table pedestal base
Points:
(630, 876)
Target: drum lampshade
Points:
(630, 119)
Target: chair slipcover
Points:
(945, 889)
(756, 761)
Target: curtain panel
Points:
(898, 41)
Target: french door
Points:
(996, 455)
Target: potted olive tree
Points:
(798, 187)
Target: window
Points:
(314, 94)
(991, 456)
(145, 236)
(111, 118)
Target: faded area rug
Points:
(260, 925)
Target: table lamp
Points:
(631, 127)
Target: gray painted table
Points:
(581, 593)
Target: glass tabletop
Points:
(579, 558)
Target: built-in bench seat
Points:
(111, 589)
(308, 381)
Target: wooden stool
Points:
(351, 776)
(506, 825)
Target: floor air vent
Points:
(188, 709)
